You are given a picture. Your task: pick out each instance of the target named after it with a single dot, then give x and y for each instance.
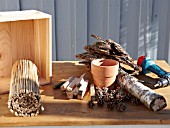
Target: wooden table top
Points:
(61, 111)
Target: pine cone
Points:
(91, 104)
(121, 107)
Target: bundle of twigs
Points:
(108, 49)
(24, 96)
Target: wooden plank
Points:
(22, 31)
(5, 50)
(47, 7)
(43, 46)
(9, 5)
(60, 111)
(22, 15)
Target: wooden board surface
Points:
(25, 35)
(61, 111)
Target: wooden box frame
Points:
(25, 35)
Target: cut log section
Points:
(92, 92)
(82, 90)
(146, 95)
(68, 81)
(24, 97)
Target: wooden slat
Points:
(22, 31)
(43, 47)
(5, 50)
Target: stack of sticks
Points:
(24, 97)
(107, 49)
(75, 87)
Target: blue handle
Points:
(149, 65)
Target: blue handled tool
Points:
(148, 65)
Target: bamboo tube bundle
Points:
(24, 97)
(146, 95)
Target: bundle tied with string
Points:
(24, 97)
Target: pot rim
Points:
(109, 66)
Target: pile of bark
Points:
(107, 49)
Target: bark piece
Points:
(108, 49)
(146, 95)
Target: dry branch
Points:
(108, 49)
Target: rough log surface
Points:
(24, 97)
(146, 95)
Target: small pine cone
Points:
(127, 97)
(100, 102)
(135, 101)
(91, 104)
(121, 107)
(110, 105)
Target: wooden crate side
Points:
(5, 50)
(22, 40)
(42, 37)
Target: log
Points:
(68, 81)
(92, 92)
(146, 95)
(82, 90)
(24, 97)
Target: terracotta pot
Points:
(104, 71)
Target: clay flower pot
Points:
(104, 71)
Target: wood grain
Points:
(61, 111)
(25, 35)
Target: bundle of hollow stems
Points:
(24, 96)
(108, 49)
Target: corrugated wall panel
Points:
(9, 5)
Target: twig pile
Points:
(106, 49)
(75, 87)
(24, 96)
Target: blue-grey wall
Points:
(140, 26)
